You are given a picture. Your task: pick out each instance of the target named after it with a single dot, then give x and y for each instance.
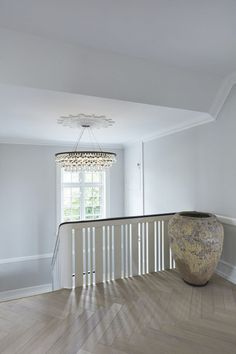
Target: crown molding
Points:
(218, 103)
(179, 128)
(222, 95)
(176, 129)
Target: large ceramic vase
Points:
(196, 241)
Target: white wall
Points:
(133, 180)
(170, 173)
(216, 162)
(169, 170)
(28, 194)
(194, 170)
(28, 209)
(216, 178)
(116, 177)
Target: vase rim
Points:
(195, 214)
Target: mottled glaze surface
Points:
(196, 242)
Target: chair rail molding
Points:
(179, 128)
(227, 220)
(25, 258)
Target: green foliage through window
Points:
(83, 195)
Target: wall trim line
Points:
(216, 107)
(222, 95)
(25, 258)
(177, 129)
(25, 292)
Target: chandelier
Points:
(79, 160)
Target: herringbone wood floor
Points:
(156, 313)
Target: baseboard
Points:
(24, 292)
(227, 271)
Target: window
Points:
(82, 195)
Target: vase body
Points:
(196, 241)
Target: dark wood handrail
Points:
(112, 219)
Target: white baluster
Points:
(98, 254)
(126, 251)
(151, 247)
(78, 258)
(104, 255)
(155, 247)
(147, 247)
(73, 258)
(170, 258)
(85, 246)
(162, 246)
(117, 252)
(108, 257)
(122, 252)
(159, 246)
(143, 248)
(135, 249)
(112, 253)
(130, 251)
(139, 249)
(90, 239)
(93, 256)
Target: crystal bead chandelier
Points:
(79, 160)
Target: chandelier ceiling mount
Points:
(85, 120)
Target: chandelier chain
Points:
(96, 141)
(80, 137)
(92, 138)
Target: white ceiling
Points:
(194, 34)
(30, 115)
(196, 37)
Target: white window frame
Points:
(59, 195)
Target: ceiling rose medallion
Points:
(79, 160)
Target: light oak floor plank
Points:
(150, 314)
